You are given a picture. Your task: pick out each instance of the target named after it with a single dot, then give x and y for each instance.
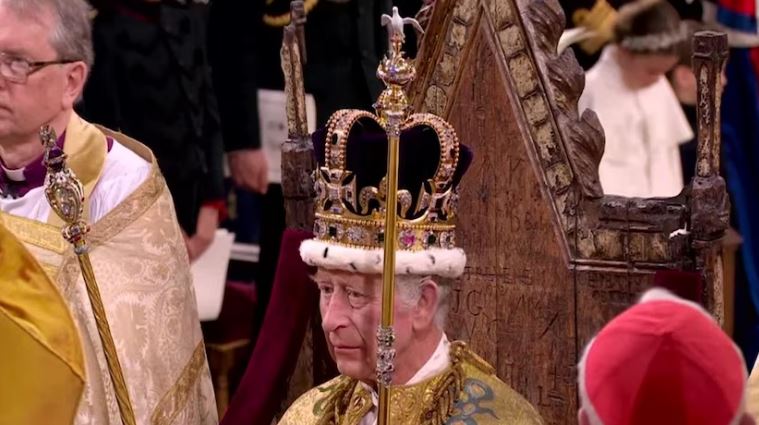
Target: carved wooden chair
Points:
(551, 259)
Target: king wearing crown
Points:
(425, 378)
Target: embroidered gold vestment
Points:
(467, 392)
(142, 270)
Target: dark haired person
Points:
(640, 113)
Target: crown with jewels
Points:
(351, 188)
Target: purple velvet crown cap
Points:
(366, 155)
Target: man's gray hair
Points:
(410, 290)
(71, 35)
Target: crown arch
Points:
(550, 258)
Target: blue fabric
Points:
(740, 147)
(244, 218)
(736, 20)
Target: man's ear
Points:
(75, 80)
(426, 307)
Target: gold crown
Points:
(354, 216)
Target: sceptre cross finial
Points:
(395, 70)
(395, 24)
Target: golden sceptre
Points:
(65, 194)
(393, 109)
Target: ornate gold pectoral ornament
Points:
(65, 194)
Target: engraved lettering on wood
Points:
(601, 295)
(515, 302)
(472, 317)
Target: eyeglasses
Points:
(18, 70)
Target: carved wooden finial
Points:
(710, 205)
(710, 51)
(297, 151)
(298, 21)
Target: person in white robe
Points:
(641, 116)
(135, 246)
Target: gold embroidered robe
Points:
(142, 270)
(467, 392)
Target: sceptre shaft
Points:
(65, 194)
(393, 109)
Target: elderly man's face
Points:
(47, 92)
(350, 305)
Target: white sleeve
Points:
(124, 171)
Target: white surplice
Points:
(123, 172)
(643, 130)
